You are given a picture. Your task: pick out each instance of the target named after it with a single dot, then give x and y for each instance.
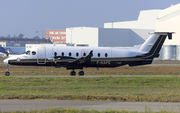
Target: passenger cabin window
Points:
(106, 54)
(99, 54)
(70, 54)
(84, 54)
(77, 54)
(55, 54)
(33, 53)
(62, 54)
(28, 53)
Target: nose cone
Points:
(5, 61)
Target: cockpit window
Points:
(28, 53)
(33, 53)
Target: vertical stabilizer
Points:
(154, 43)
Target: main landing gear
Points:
(73, 73)
(7, 73)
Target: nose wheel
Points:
(7, 73)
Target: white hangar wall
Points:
(126, 33)
(104, 37)
(147, 20)
(121, 37)
(169, 20)
(82, 36)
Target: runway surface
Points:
(12, 105)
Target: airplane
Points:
(83, 57)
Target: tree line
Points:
(19, 36)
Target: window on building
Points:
(99, 54)
(84, 54)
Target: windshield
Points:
(28, 53)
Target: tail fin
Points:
(153, 44)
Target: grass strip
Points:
(163, 70)
(73, 110)
(132, 89)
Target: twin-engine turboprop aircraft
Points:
(80, 57)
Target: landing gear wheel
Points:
(81, 73)
(73, 73)
(7, 73)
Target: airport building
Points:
(105, 37)
(56, 36)
(115, 34)
(20, 42)
(147, 20)
(129, 33)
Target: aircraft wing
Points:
(83, 60)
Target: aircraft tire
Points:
(7, 73)
(73, 73)
(81, 73)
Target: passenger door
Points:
(41, 55)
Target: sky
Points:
(29, 16)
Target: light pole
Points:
(71, 34)
(37, 36)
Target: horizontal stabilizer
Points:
(169, 34)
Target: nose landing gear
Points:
(7, 73)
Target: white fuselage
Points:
(47, 52)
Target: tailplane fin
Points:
(154, 43)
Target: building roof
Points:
(169, 13)
(146, 20)
(23, 39)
